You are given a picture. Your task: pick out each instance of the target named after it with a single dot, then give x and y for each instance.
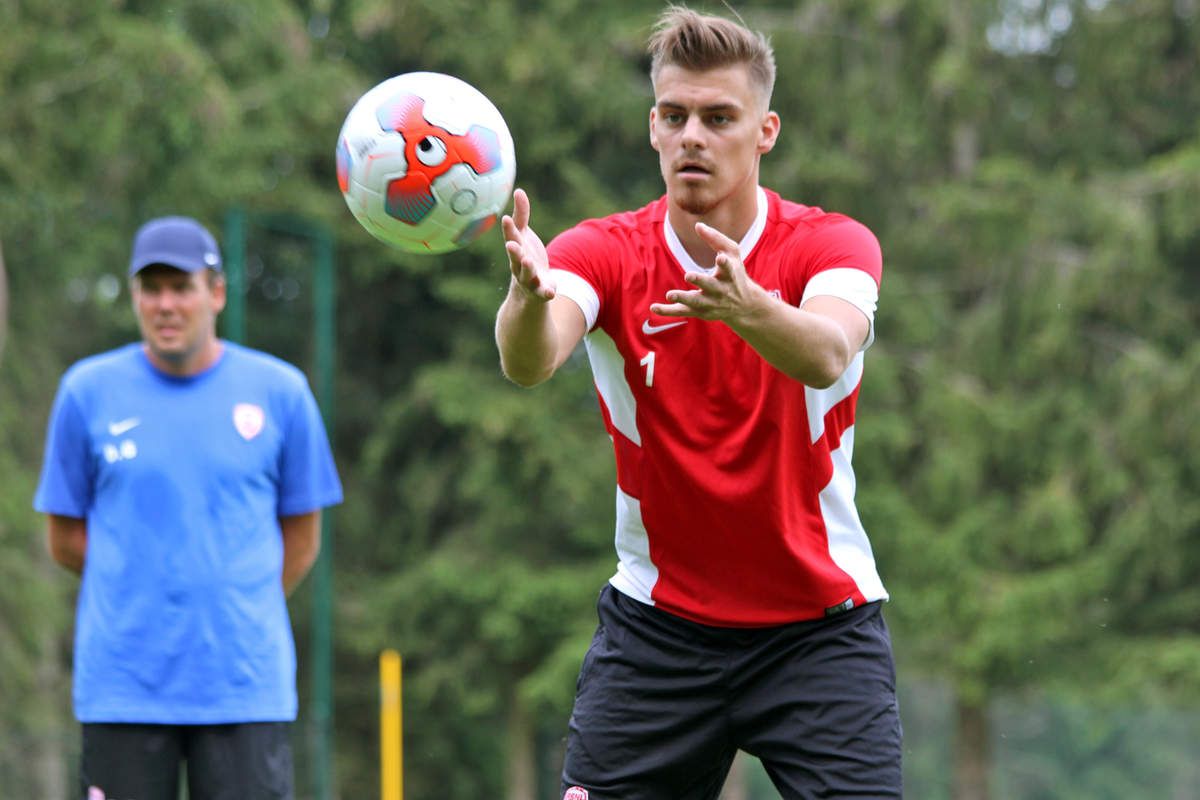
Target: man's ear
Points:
(219, 293)
(769, 133)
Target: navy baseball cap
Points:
(178, 242)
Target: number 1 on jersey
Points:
(648, 363)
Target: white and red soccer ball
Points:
(425, 162)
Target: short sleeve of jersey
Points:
(844, 261)
(575, 270)
(308, 479)
(65, 486)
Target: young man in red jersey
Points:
(726, 329)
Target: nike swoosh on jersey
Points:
(650, 330)
(117, 428)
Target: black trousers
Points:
(663, 704)
(243, 761)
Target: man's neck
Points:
(733, 220)
(188, 364)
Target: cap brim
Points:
(167, 259)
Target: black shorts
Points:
(663, 704)
(243, 761)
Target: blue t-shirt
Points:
(182, 617)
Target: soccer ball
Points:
(425, 162)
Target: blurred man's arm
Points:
(66, 538)
(301, 545)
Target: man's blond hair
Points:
(694, 41)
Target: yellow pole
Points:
(391, 746)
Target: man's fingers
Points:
(705, 283)
(517, 222)
(729, 255)
(520, 215)
(717, 240)
(513, 248)
(526, 255)
(725, 262)
(509, 227)
(527, 274)
(672, 310)
(682, 303)
(522, 268)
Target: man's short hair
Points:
(695, 41)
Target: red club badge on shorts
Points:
(248, 419)
(576, 793)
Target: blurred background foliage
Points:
(1027, 440)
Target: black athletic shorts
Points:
(663, 704)
(243, 761)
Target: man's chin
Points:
(170, 353)
(693, 203)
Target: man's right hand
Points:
(526, 254)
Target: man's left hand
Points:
(728, 294)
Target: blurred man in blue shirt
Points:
(184, 478)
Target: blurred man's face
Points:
(177, 313)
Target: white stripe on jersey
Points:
(608, 369)
(576, 288)
(852, 285)
(848, 544)
(819, 402)
(636, 573)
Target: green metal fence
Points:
(283, 266)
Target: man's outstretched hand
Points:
(526, 254)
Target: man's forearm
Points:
(301, 546)
(66, 539)
(526, 339)
(809, 348)
(296, 564)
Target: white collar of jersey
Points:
(744, 246)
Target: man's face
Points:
(709, 129)
(177, 313)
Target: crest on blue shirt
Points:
(248, 419)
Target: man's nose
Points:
(693, 132)
(167, 301)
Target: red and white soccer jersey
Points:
(735, 493)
